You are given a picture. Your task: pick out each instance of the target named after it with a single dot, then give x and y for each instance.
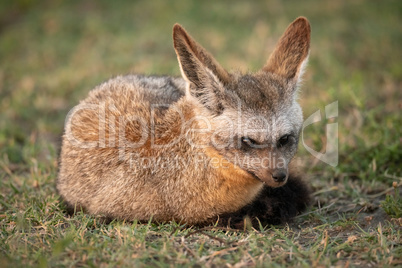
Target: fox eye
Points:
(247, 141)
(283, 140)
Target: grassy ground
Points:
(53, 52)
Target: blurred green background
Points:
(53, 52)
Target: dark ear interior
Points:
(291, 51)
(187, 49)
(205, 75)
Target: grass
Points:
(53, 52)
(392, 203)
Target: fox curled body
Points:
(210, 146)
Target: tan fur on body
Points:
(115, 136)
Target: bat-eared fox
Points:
(212, 147)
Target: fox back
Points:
(187, 149)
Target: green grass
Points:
(53, 52)
(392, 203)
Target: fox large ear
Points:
(206, 77)
(291, 53)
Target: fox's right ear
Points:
(206, 77)
(291, 52)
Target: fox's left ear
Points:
(291, 52)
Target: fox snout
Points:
(273, 177)
(280, 175)
(271, 170)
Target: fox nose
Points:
(279, 176)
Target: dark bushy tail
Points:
(272, 206)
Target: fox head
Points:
(255, 118)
